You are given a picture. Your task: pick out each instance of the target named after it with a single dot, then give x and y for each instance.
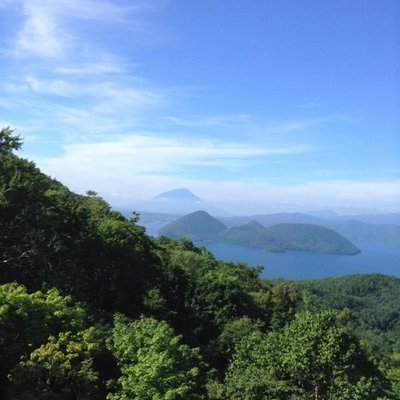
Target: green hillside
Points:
(252, 234)
(93, 308)
(309, 237)
(285, 237)
(195, 226)
(370, 233)
(362, 228)
(373, 299)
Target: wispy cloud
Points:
(115, 93)
(138, 167)
(92, 68)
(342, 195)
(268, 126)
(211, 120)
(302, 124)
(112, 130)
(310, 105)
(40, 34)
(63, 79)
(56, 87)
(86, 9)
(142, 154)
(153, 162)
(46, 31)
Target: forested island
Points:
(281, 237)
(91, 307)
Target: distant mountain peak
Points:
(178, 201)
(181, 194)
(253, 224)
(198, 225)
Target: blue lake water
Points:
(380, 258)
(296, 265)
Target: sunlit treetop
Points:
(9, 141)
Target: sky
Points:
(254, 106)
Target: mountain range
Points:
(168, 206)
(349, 226)
(277, 238)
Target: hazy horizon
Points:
(253, 106)
(181, 206)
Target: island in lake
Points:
(281, 237)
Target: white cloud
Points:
(68, 83)
(47, 31)
(98, 10)
(306, 123)
(57, 87)
(84, 106)
(137, 164)
(142, 154)
(260, 196)
(268, 126)
(114, 93)
(211, 120)
(141, 166)
(99, 98)
(92, 69)
(40, 34)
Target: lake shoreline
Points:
(302, 265)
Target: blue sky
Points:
(257, 106)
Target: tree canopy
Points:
(93, 307)
(9, 141)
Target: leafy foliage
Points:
(62, 368)
(373, 300)
(26, 321)
(8, 141)
(50, 236)
(154, 364)
(314, 357)
(92, 307)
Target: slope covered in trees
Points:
(373, 300)
(309, 237)
(93, 308)
(286, 237)
(198, 225)
(376, 228)
(370, 233)
(277, 238)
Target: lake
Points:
(384, 259)
(296, 265)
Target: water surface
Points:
(384, 259)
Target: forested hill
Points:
(93, 308)
(277, 238)
(289, 237)
(373, 299)
(198, 225)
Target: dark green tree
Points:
(8, 141)
(51, 237)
